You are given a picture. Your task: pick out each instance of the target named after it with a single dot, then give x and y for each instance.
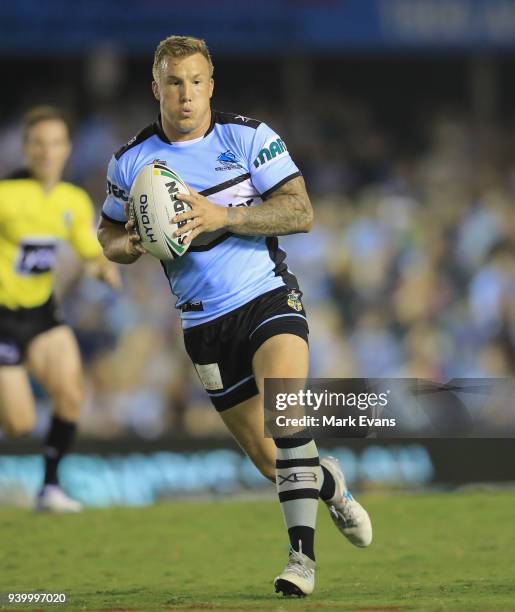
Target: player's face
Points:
(47, 149)
(184, 91)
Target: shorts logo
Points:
(294, 300)
(210, 376)
(228, 160)
(9, 353)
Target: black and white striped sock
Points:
(298, 480)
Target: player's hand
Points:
(134, 246)
(104, 270)
(110, 274)
(204, 216)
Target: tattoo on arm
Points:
(287, 211)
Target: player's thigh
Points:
(245, 421)
(281, 356)
(53, 357)
(17, 416)
(284, 357)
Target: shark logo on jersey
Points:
(228, 160)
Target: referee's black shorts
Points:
(18, 327)
(222, 349)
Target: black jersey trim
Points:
(225, 118)
(110, 219)
(225, 185)
(216, 117)
(268, 192)
(156, 129)
(215, 242)
(212, 124)
(278, 256)
(146, 132)
(21, 173)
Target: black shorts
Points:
(222, 349)
(19, 327)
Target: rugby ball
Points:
(152, 204)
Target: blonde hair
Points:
(43, 113)
(178, 47)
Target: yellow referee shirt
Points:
(32, 223)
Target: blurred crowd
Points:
(408, 272)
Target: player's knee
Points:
(19, 426)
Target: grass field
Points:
(431, 552)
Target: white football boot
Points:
(347, 514)
(298, 577)
(52, 498)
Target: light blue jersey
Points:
(238, 162)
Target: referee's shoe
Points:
(347, 514)
(52, 498)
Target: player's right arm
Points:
(116, 233)
(120, 243)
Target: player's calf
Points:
(58, 442)
(298, 483)
(67, 399)
(51, 497)
(266, 467)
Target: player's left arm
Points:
(86, 245)
(104, 270)
(287, 210)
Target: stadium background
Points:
(400, 115)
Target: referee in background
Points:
(37, 211)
